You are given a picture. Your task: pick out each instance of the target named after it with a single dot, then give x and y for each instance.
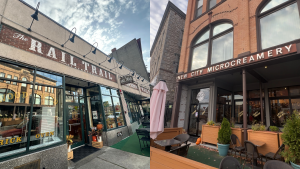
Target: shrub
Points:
(210, 122)
(274, 128)
(224, 132)
(258, 127)
(291, 138)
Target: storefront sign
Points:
(126, 79)
(14, 38)
(19, 139)
(132, 85)
(277, 52)
(147, 91)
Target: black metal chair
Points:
(230, 163)
(234, 140)
(275, 156)
(275, 164)
(183, 138)
(181, 151)
(146, 124)
(143, 136)
(251, 152)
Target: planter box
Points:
(269, 138)
(239, 133)
(168, 133)
(70, 155)
(210, 134)
(162, 159)
(97, 144)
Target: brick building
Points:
(165, 50)
(239, 60)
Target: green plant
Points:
(274, 128)
(291, 138)
(258, 127)
(232, 122)
(210, 122)
(224, 132)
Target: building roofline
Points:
(170, 6)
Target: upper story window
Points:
(212, 46)
(211, 4)
(199, 8)
(279, 23)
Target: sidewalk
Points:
(111, 158)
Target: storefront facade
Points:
(48, 91)
(239, 61)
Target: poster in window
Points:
(95, 115)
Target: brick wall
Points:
(241, 13)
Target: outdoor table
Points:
(167, 143)
(257, 144)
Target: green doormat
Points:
(131, 144)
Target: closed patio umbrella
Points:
(157, 109)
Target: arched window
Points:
(48, 100)
(37, 99)
(7, 95)
(279, 23)
(214, 45)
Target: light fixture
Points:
(133, 74)
(121, 64)
(71, 39)
(94, 51)
(110, 59)
(139, 77)
(266, 67)
(35, 15)
(284, 88)
(143, 80)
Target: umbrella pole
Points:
(244, 105)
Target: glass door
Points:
(193, 124)
(75, 123)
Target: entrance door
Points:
(75, 123)
(198, 111)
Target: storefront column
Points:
(176, 105)
(267, 108)
(261, 102)
(245, 105)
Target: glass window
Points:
(52, 80)
(272, 4)
(46, 88)
(200, 55)
(52, 90)
(223, 105)
(212, 3)
(7, 95)
(199, 8)
(105, 90)
(254, 112)
(40, 87)
(204, 37)
(284, 23)
(24, 84)
(238, 112)
(238, 95)
(295, 90)
(15, 78)
(114, 92)
(37, 99)
(278, 92)
(222, 48)
(118, 111)
(255, 94)
(9, 77)
(36, 87)
(2, 75)
(73, 94)
(221, 28)
(48, 100)
(109, 112)
(280, 110)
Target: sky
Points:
(157, 9)
(110, 23)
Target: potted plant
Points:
(93, 133)
(224, 137)
(291, 137)
(69, 142)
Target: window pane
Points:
(212, 3)
(222, 48)
(221, 28)
(47, 124)
(2, 75)
(199, 11)
(272, 4)
(9, 77)
(255, 94)
(12, 132)
(280, 110)
(278, 92)
(295, 105)
(36, 87)
(280, 27)
(200, 3)
(204, 37)
(223, 105)
(114, 92)
(118, 111)
(295, 91)
(254, 112)
(7, 95)
(238, 112)
(40, 87)
(46, 78)
(16, 78)
(105, 90)
(109, 112)
(200, 56)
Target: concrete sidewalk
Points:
(111, 158)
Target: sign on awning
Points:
(126, 79)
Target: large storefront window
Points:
(16, 100)
(223, 105)
(221, 46)
(112, 108)
(280, 18)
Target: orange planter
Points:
(210, 134)
(239, 133)
(269, 138)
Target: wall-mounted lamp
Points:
(121, 65)
(110, 59)
(94, 51)
(133, 74)
(143, 80)
(139, 77)
(71, 39)
(35, 15)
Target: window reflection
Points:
(204, 37)
(199, 8)
(212, 3)
(221, 28)
(200, 54)
(222, 48)
(280, 27)
(272, 4)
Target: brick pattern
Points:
(241, 13)
(165, 58)
(23, 41)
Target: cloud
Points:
(157, 9)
